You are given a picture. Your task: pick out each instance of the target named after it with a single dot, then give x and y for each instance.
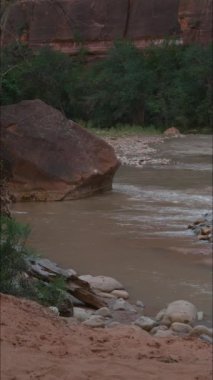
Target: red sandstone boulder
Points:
(172, 132)
(50, 157)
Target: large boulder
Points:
(180, 311)
(50, 157)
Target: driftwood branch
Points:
(47, 271)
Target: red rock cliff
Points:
(67, 24)
(195, 18)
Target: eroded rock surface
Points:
(195, 18)
(67, 25)
(52, 158)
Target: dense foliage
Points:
(163, 86)
(12, 254)
(14, 257)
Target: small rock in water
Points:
(120, 294)
(203, 237)
(145, 323)
(200, 315)
(105, 295)
(104, 312)
(103, 283)
(140, 304)
(206, 230)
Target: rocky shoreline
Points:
(138, 150)
(102, 302)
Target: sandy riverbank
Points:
(38, 345)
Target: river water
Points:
(138, 232)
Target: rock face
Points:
(50, 157)
(66, 25)
(195, 18)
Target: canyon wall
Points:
(67, 25)
(195, 18)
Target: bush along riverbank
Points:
(161, 86)
(93, 301)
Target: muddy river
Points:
(138, 232)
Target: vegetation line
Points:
(161, 86)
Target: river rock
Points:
(203, 227)
(200, 315)
(113, 324)
(109, 296)
(180, 311)
(103, 283)
(51, 267)
(172, 132)
(50, 157)
(54, 310)
(203, 237)
(104, 312)
(206, 338)
(145, 323)
(121, 304)
(160, 315)
(164, 333)
(120, 294)
(82, 314)
(181, 328)
(95, 321)
(157, 328)
(201, 330)
(140, 304)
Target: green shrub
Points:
(52, 293)
(12, 254)
(13, 260)
(117, 87)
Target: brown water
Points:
(137, 233)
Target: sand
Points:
(39, 345)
